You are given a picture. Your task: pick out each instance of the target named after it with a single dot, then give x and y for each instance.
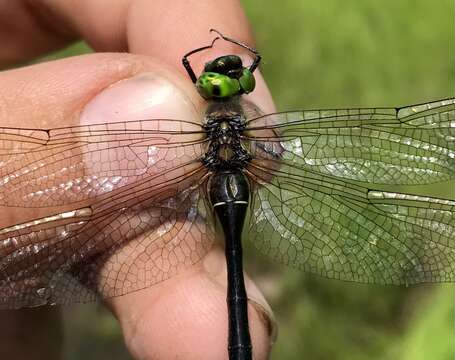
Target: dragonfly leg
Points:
(186, 62)
(257, 56)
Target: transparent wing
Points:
(410, 145)
(99, 211)
(42, 168)
(340, 230)
(319, 202)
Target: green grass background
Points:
(320, 54)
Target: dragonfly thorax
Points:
(226, 133)
(224, 124)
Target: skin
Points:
(168, 320)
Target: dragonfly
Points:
(113, 208)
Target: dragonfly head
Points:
(225, 77)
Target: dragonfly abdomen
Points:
(229, 195)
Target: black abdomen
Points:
(230, 186)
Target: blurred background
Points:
(323, 55)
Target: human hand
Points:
(185, 316)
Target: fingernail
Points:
(215, 265)
(145, 96)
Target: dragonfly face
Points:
(225, 77)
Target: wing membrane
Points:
(99, 210)
(342, 230)
(107, 249)
(118, 207)
(68, 165)
(320, 202)
(407, 146)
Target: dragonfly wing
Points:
(62, 166)
(107, 249)
(98, 210)
(405, 146)
(320, 200)
(341, 230)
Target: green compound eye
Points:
(214, 85)
(247, 81)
